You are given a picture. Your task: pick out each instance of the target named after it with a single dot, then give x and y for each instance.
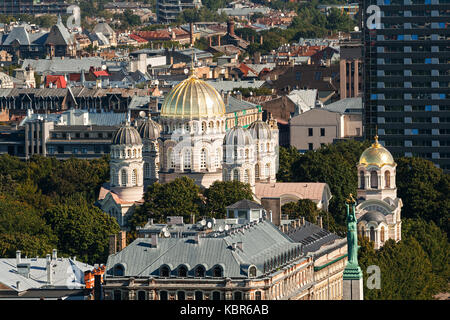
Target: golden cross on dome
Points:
(376, 144)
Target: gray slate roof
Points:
(245, 204)
(348, 105)
(236, 105)
(63, 66)
(261, 242)
(312, 236)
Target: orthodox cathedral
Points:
(190, 139)
(378, 210)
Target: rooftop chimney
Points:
(112, 244)
(54, 254)
(230, 28)
(49, 269)
(122, 240)
(18, 258)
(240, 246)
(154, 240)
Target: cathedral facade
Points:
(379, 209)
(191, 139)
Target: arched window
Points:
(252, 272)
(258, 295)
(268, 147)
(362, 180)
(382, 234)
(147, 170)
(216, 295)
(246, 176)
(373, 180)
(128, 153)
(113, 177)
(163, 295)
(164, 271)
(236, 175)
(171, 158)
(187, 159)
(372, 234)
(203, 159)
(238, 295)
(134, 153)
(124, 177)
(256, 171)
(387, 179)
(217, 272)
(118, 270)
(117, 295)
(246, 154)
(181, 295)
(182, 271)
(141, 295)
(268, 170)
(134, 177)
(198, 295)
(200, 271)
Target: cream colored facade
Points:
(311, 129)
(379, 209)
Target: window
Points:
(258, 295)
(118, 270)
(181, 295)
(373, 180)
(146, 170)
(134, 177)
(163, 295)
(182, 271)
(216, 295)
(382, 234)
(187, 159)
(372, 234)
(252, 272)
(117, 295)
(387, 179)
(361, 179)
(171, 157)
(310, 132)
(238, 295)
(164, 271)
(124, 177)
(198, 295)
(246, 176)
(200, 271)
(322, 132)
(141, 295)
(236, 174)
(256, 171)
(310, 146)
(203, 159)
(217, 272)
(268, 170)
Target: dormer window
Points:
(252, 272)
(200, 271)
(182, 271)
(164, 271)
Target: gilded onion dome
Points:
(149, 129)
(260, 130)
(377, 155)
(238, 136)
(126, 135)
(193, 99)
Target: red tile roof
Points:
(57, 81)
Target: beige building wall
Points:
(318, 126)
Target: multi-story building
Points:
(167, 11)
(406, 77)
(245, 257)
(13, 7)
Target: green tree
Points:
(424, 191)
(82, 229)
(181, 197)
(435, 244)
(224, 193)
(288, 156)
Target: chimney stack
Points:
(230, 27)
(112, 244)
(54, 254)
(154, 240)
(240, 246)
(303, 221)
(122, 240)
(49, 270)
(18, 258)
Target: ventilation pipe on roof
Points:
(18, 258)
(54, 254)
(154, 240)
(49, 270)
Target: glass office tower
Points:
(406, 77)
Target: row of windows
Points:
(395, 131)
(374, 179)
(311, 132)
(77, 150)
(78, 135)
(122, 178)
(181, 295)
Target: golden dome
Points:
(377, 155)
(193, 99)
